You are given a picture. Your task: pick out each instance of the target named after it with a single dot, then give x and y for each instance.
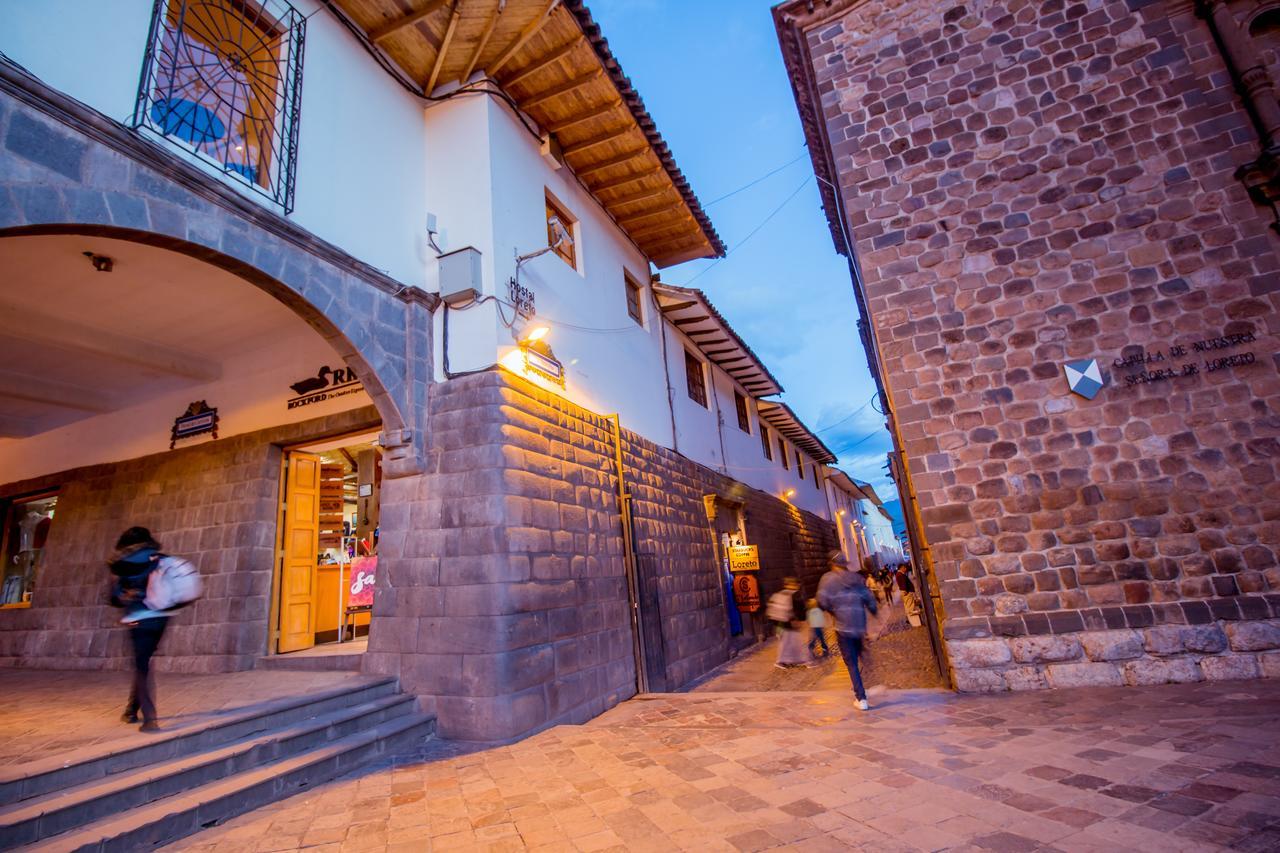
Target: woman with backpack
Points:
(136, 560)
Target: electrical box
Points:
(460, 276)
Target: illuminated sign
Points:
(744, 558)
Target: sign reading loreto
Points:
(744, 558)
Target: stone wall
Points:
(214, 503)
(511, 596)
(1032, 183)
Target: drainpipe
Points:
(671, 399)
(629, 560)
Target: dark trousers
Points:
(850, 650)
(145, 637)
(819, 637)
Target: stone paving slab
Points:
(44, 713)
(1171, 768)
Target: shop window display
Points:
(26, 531)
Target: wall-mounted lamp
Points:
(789, 493)
(101, 263)
(839, 512)
(535, 334)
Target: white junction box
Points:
(460, 276)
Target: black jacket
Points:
(130, 572)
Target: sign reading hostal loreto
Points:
(744, 558)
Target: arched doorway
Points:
(152, 381)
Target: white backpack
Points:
(174, 583)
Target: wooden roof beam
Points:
(539, 64)
(595, 141)
(595, 113)
(523, 39)
(626, 179)
(625, 157)
(484, 40)
(685, 221)
(679, 306)
(689, 321)
(650, 213)
(389, 29)
(436, 66)
(642, 195)
(562, 89)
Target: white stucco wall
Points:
(360, 170)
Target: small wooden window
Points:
(634, 310)
(782, 453)
(799, 464)
(764, 443)
(696, 379)
(740, 402)
(817, 480)
(560, 224)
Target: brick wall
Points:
(507, 610)
(1030, 183)
(213, 503)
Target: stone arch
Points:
(298, 299)
(65, 168)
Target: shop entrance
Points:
(328, 543)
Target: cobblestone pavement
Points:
(897, 656)
(44, 713)
(1172, 768)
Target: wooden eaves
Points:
(550, 57)
(689, 310)
(785, 422)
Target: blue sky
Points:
(712, 77)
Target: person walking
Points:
(908, 589)
(137, 558)
(844, 595)
(818, 628)
(786, 611)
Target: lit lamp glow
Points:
(789, 493)
(535, 334)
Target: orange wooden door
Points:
(298, 592)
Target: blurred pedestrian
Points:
(845, 596)
(818, 628)
(137, 557)
(786, 611)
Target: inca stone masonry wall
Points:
(214, 503)
(510, 595)
(1033, 182)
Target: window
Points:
(633, 288)
(817, 479)
(782, 453)
(560, 232)
(740, 402)
(697, 381)
(222, 79)
(26, 530)
(799, 464)
(764, 442)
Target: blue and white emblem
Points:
(1084, 377)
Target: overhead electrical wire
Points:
(751, 184)
(752, 233)
(848, 416)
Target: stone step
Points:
(35, 819)
(182, 814)
(312, 663)
(38, 778)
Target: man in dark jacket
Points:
(845, 596)
(137, 556)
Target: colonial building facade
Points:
(1062, 226)
(351, 304)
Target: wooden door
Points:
(301, 537)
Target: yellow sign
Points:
(744, 558)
